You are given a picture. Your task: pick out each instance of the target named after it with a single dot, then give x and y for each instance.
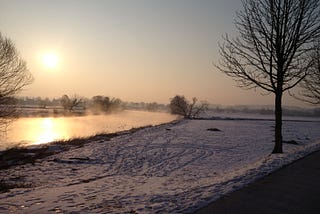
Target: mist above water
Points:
(33, 131)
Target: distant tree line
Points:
(37, 102)
(287, 111)
(96, 104)
(178, 105)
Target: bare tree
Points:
(271, 51)
(14, 76)
(100, 103)
(105, 104)
(181, 106)
(311, 84)
(196, 109)
(70, 103)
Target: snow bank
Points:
(170, 168)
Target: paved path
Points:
(293, 189)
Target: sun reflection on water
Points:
(47, 132)
(34, 131)
(38, 130)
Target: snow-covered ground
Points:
(171, 168)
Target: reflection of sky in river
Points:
(33, 131)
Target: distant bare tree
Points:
(311, 84)
(116, 105)
(70, 103)
(181, 106)
(14, 76)
(196, 109)
(100, 103)
(105, 104)
(272, 49)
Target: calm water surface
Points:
(32, 131)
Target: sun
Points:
(50, 60)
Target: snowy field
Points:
(171, 168)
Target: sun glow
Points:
(50, 60)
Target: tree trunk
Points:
(278, 125)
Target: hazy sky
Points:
(135, 50)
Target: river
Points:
(39, 130)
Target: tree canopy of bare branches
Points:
(105, 104)
(14, 76)
(311, 84)
(70, 103)
(272, 49)
(181, 106)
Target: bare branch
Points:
(14, 76)
(311, 84)
(272, 48)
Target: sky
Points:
(135, 50)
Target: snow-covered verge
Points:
(170, 168)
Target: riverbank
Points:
(171, 168)
(30, 154)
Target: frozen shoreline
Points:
(175, 167)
